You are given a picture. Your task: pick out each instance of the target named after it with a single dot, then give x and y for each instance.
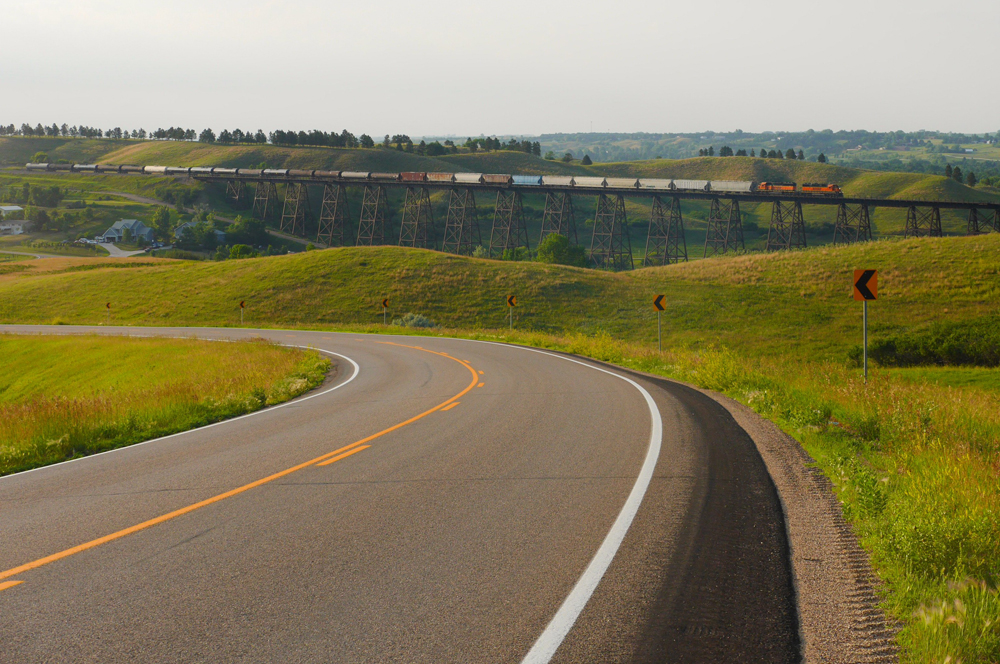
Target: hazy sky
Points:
(426, 67)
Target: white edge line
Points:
(297, 400)
(552, 637)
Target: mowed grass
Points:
(914, 455)
(67, 396)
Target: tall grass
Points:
(64, 397)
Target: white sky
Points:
(425, 67)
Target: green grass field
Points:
(914, 455)
(63, 397)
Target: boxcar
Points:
(732, 185)
(558, 180)
(660, 184)
(589, 182)
(413, 176)
(622, 183)
(691, 185)
(440, 177)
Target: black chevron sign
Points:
(658, 303)
(511, 300)
(865, 285)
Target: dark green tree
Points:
(947, 170)
(207, 136)
(821, 158)
(161, 224)
(790, 154)
(556, 248)
(802, 155)
(586, 161)
(711, 150)
(957, 174)
(971, 179)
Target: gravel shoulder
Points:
(839, 616)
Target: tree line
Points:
(790, 153)
(82, 131)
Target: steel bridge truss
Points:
(725, 228)
(333, 215)
(509, 231)
(981, 221)
(296, 212)
(788, 228)
(665, 243)
(374, 208)
(559, 216)
(461, 227)
(417, 218)
(923, 222)
(236, 193)
(611, 246)
(265, 200)
(854, 224)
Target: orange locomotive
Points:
(776, 186)
(817, 188)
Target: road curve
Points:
(439, 505)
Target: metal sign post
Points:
(511, 303)
(108, 307)
(865, 288)
(660, 307)
(385, 308)
(242, 305)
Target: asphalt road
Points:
(457, 535)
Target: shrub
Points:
(414, 320)
(556, 248)
(975, 343)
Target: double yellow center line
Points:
(323, 460)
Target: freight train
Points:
(413, 177)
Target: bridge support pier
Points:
(236, 193)
(417, 218)
(296, 210)
(265, 200)
(725, 228)
(374, 208)
(461, 227)
(923, 222)
(854, 224)
(788, 228)
(559, 216)
(611, 246)
(333, 215)
(980, 221)
(665, 243)
(509, 231)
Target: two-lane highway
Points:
(439, 500)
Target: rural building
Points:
(220, 237)
(137, 229)
(11, 211)
(11, 227)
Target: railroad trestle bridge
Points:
(610, 244)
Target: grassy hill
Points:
(17, 151)
(799, 301)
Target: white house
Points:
(11, 227)
(220, 236)
(136, 228)
(11, 210)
